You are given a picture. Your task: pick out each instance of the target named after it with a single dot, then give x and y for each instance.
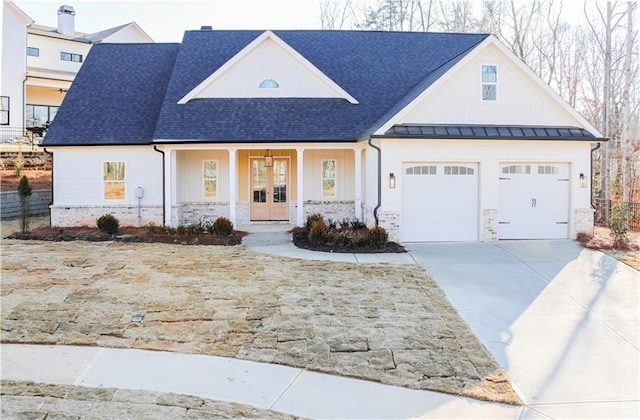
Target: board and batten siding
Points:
(457, 98)
(345, 167)
(191, 178)
(78, 177)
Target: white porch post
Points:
(169, 182)
(358, 182)
(300, 190)
(232, 186)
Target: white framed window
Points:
(517, 169)
(421, 170)
(547, 170)
(113, 175)
(210, 178)
(268, 84)
(33, 51)
(329, 177)
(489, 82)
(4, 110)
(457, 170)
(67, 56)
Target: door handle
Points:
(533, 202)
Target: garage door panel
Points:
(534, 201)
(440, 202)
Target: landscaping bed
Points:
(301, 240)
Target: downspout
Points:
(375, 210)
(52, 183)
(164, 212)
(591, 176)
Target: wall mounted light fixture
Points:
(583, 181)
(392, 180)
(268, 159)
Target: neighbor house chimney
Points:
(66, 17)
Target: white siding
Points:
(77, 175)
(13, 58)
(489, 155)
(345, 183)
(190, 178)
(268, 61)
(519, 100)
(50, 49)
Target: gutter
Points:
(379, 204)
(164, 212)
(44, 149)
(591, 176)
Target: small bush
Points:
(619, 227)
(108, 224)
(24, 191)
(318, 231)
(222, 226)
(333, 224)
(153, 229)
(377, 237)
(18, 164)
(312, 219)
(358, 224)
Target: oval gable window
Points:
(268, 84)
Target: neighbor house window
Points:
(268, 84)
(489, 82)
(210, 176)
(66, 56)
(328, 177)
(40, 115)
(113, 176)
(4, 110)
(33, 52)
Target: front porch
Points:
(254, 185)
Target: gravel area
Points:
(385, 323)
(28, 400)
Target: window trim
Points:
(483, 83)
(204, 179)
(124, 181)
(7, 111)
(49, 119)
(36, 50)
(335, 178)
(71, 57)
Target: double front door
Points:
(269, 189)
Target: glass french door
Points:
(269, 189)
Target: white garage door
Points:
(439, 202)
(534, 201)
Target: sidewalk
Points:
(280, 388)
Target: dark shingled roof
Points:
(483, 132)
(115, 96)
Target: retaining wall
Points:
(10, 203)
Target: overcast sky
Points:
(166, 21)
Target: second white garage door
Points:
(439, 202)
(534, 201)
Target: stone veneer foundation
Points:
(87, 215)
(583, 222)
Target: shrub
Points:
(24, 191)
(222, 226)
(333, 224)
(318, 231)
(619, 227)
(108, 224)
(358, 224)
(311, 220)
(18, 163)
(153, 229)
(377, 237)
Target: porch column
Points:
(169, 182)
(358, 182)
(232, 185)
(300, 189)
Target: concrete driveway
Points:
(563, 321)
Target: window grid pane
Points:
(210, 177)
(113, 174)
(329, 178)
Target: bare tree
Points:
(335, 14)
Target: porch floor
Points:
(266, 227)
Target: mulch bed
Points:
(126, 234)
(141, 234)
(301, 240)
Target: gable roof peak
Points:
(200, 90)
